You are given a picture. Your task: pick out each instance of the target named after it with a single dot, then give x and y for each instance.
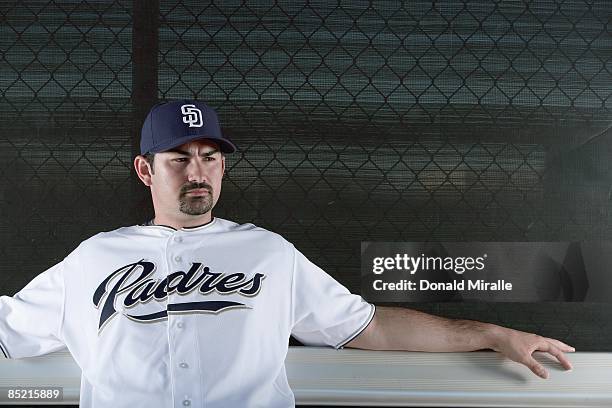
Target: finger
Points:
(561, 345)
(536, 368)
(549, 348)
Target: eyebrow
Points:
(184, 153)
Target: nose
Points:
(196, 172)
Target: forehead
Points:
(196, 147)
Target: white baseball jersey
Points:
(157, 317)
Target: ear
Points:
(143, 169)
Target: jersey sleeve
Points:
(30, 321)
(324, 312)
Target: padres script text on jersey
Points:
(157, 317)
(141, 290)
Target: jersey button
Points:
(177, 258)
(180, 325)
(178, 239)
(183, 365)
(186, 403)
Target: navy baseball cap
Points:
(171, 124)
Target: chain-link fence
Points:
(356, 121)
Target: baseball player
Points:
(194, 310)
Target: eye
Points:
(209, 158)
(180, 159)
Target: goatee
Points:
(195, 205)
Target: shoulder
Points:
(252, 232)
(113, 234)
(110, 238)
(231, 226)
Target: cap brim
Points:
(225, 145)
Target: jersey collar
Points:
(150, 223)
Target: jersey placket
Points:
(182, 335)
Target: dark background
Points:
(393, 121)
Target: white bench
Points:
(323, 376)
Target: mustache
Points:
(194, 186)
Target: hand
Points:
(519, 346)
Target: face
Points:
(185, 181)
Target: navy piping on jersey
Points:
(151, 223)
(4, 351)
(360, 330)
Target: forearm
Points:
(404, 329)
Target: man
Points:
(193, 310)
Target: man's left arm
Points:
(394, 328)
